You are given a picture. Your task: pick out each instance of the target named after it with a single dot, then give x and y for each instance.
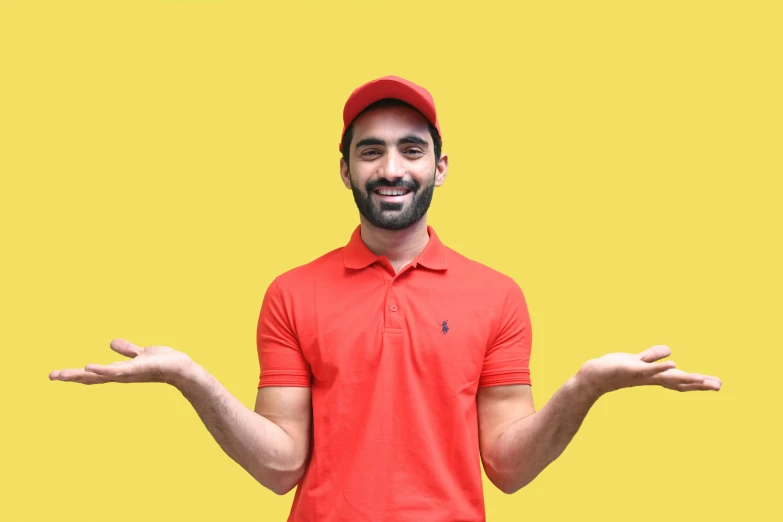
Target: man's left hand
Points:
(625, 370)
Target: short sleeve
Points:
(279, 353)
(507, 359)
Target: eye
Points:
(370, 153)
(414, 152)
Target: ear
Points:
(441, 169)
(345, 174)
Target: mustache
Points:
(374, 185)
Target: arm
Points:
(517, 442)
(272, 443)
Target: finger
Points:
(706, 385)
(103, 368)
(126, 348)
(119, 371)
(77, 375)
(679, 377)
(715, 383)
(653, 369)
(675, 377)
(656, 352)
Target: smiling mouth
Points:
(388, 192)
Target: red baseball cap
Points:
(388, 87)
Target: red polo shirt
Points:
(394, 362)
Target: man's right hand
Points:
(272, 443)
(151, 364)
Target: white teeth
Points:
(387, 192)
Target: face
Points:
(392, 170)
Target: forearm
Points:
(530, 444)
(257, 444)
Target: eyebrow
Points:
(405, 140)
(412, 139)
(370, 141)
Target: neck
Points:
(399, 246)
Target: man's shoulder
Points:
(472, 270)
(306, 274)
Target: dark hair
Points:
(380, 104)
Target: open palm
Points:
(151, 364)
(624, 370)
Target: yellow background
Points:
(163, 161)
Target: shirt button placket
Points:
(394, 312)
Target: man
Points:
(391, 368)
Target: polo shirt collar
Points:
(357, 256)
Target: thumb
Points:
(126, 348)
(654, 353)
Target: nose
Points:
(393, 166)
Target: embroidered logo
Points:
(444, 327)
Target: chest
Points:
(420, 326)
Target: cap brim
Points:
(384, 88)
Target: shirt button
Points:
(393, 308)
(395, 282)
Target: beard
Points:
(393, 216)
